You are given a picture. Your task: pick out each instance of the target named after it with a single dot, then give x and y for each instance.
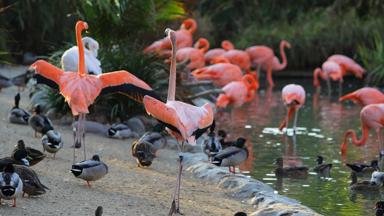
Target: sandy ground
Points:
(125, 190)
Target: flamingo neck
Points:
(355, 140)
(81, 69)
(192, 25)
(281, 66)
(204, 46)
(172, 72)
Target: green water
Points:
(322, 122)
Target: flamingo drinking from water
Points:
(348, 65)
(263, 57)
(236, 93)
(371, 117)
(226, 45)
(81, 89)
(365, 96)
(184, 39)
(329, 70)
(293, 97)
(185, 122)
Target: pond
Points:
(322, 122)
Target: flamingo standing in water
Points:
(263, 57)
(348, 65)
(371, 117)
(184, 39)
(220, 74)
(185, 122)
(81, 89)
(236, 93)
(293, 97)
(365, 96)
(193, 54)
(226, 45)
(329, 70)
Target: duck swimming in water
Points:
(11, 185)
(18, 115)
(90, 170)
(321, 168)
(359, 168)
(232, 156)
(363, 186)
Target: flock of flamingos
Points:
(236, 71)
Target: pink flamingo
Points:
(329, 69)
(365, 96)
(371, 117)
(194, 54)
(293, 97)
(263, 57)
(185, 122)
(239, 58)
(184, 39)
(225, 46)
(236, 93)
(348, 65)
(220, 74)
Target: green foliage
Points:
(373, 59)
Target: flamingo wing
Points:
(47, 74)
(127, 84)
(163, 113)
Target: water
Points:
(322, 122)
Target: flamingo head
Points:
(188, 24)
(223, 101)
(250, 82)
(202, 44)
(285, 43)
(81, 25)
(227, 45)
(171, 34)
(203, 74)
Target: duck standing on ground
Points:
(18, 115)
(232, 156)
(52, 142)
(290, 172)
(11, 186)
(99, 211)
(322, 168)
(31, 182)
(33, 156)
(90, 170)
(39, 122)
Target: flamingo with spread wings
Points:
(81, 89)
(184, 121)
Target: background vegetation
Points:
(316, 29)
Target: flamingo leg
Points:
(14, 202)
(380, 138)
(258, 70)
(287, 122)
(329, 87)
(175, 206)
(340, 88)
(83, 133)
(295, 121)
(269, 76)
(88, 184)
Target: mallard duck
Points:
(377, 178)
(379, 208)
(90, 170)
(290, 172)
(33, 156)
(39, 122)
(362, 186)
(18, 115)
(4, 82)
(232, 156)
(121, 131)
(11, 185)
(31, 182)
(321, 168)
(52, 142)
(21, 80)
(211, 146)
(144, 152)
(364, 168)
(99, 211)
(222, 136)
